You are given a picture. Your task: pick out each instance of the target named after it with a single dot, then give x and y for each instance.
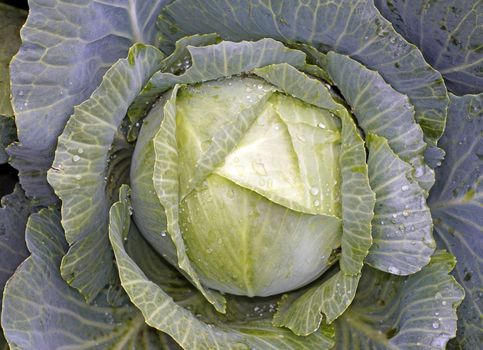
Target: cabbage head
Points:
(222, 174)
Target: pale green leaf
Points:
(295, 83)
(303, 312)
(165, 179)
(217, 61)
(175, 63)
(358, 199)
(191, 332)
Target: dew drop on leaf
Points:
(314, 191)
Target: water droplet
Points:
(163, 234)
(405, 213)
(75, 158)
(392, 269)
(444, 302)
(209, 250)
(321, 125)
(316, 203)
(436, 324)
(438, 295)
(80, 150)
(314, 191)
(276, 126)
(404, 188)
(419, 172)
(394, 215)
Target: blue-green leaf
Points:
(394, 312)
(383, 111)
(447, 33)
(456, 203)
(42, 312)
(81, 163)
(66, 50)
(402, 224)
(13, 219)
(354, 28)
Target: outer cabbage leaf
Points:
(447, 33)
(67, 48)
(81, 162)
(210, 62)
(13, 220)
(394, 312)
(42, 312)
(456, 203)
(203, 328)
(402, 224)
(11, 19)
(354, 28)
(175, 63)
(383, 111)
